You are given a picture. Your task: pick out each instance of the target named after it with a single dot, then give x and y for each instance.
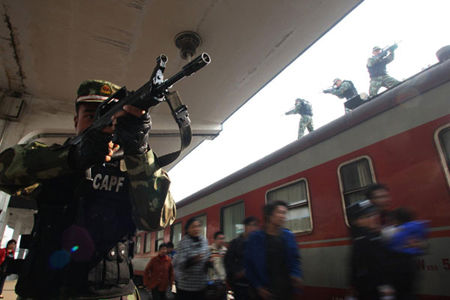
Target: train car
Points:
(400, 138)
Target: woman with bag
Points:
(6, 256)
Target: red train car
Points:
(400, 138)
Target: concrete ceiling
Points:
(49, 46)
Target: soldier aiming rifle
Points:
(342, 89)
(89, 202)
(376, 65)
(304, 109)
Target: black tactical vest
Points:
(305, 109)
(350, 92)
(81, 243)
(376, 70)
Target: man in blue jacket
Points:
(272, 258)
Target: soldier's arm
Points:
(387, 59)
(22, 166)
(291, 112)
(149, 185)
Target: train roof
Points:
(418, 84)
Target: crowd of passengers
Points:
(265, 263)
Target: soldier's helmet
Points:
(300, 100)
(336, 80)
(359, 209)
(376, 48)
(95, 91)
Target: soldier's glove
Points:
(132, 133)
(92, 150)
(327, 91)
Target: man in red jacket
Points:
(6, 255)
(158, 274)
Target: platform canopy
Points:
(49, 46)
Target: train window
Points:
(296, 195)
(354, 177)
(176, 233)
(148, 242)
(159, 239)
(443, 142)
(231, 220)
(137, 248)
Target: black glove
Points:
(90, 151)
(132, 133)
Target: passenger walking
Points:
(6, 256)
(380, 196)
(406, 239)
(272, 259)
(170, 250)
(158, 274)
(234, 260)
(370, 277)
(190, 263)
(216, 272)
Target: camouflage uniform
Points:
(345, 90)
(304, 109)
(106, 208)
(378, 75)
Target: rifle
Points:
(385, 50)
(152, 93)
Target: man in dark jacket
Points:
(370, 276)
(272, 257)
(234, 260)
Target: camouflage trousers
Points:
(134, 296)
(381, 81)
(305, 122)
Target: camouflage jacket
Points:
(376, 65)
(345, 90)
(23, 168)
(302, 109)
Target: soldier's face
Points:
(376, 52)
(85, 116)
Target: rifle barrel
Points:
(192, 67)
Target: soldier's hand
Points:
(132, 126)
(327, 91)
(95, 147)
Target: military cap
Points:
(336, 80)
(376, 48)
(359, 209)
(95, 91)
